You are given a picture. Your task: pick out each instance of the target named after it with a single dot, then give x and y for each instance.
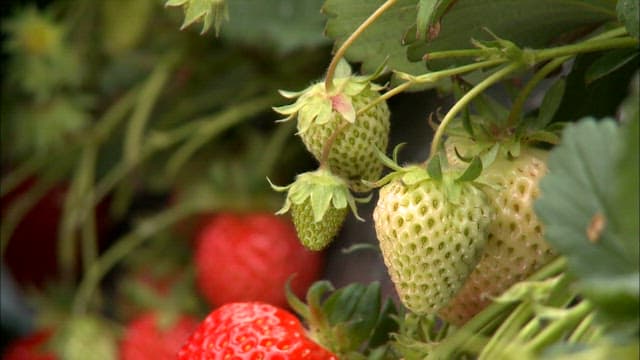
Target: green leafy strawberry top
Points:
(318, 105)
(323, 189)
(208, 11)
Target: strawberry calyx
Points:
(437, 169)
(351, 321)
(323, 189)
(316, 105)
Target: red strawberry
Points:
(249, 257)
(30, 347)
(251, 330)
(150, 336)
(38, 229)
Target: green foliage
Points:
(382, 40)
(599, 97)
(527, 23)
(629, 15)
(353, 321)
(585, 220)
(209, 12)
(280, 25)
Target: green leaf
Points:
(381, 41)
(599, 98)
(385, 326)
(340, 305)
(628, 14)
(280, 25)
(365, 316)
(609, 62)
(527, 23)
(550, 104)
(434, 168)
(581, 208)
(429, 14)
(472, 171)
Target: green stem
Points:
(347, 43)
(492, 314)
(518, 104)
(114, 116)
(274, 148)
(393, 92)
(466, 99)
(124, 246)
(584, 47)
(146, 100)
(436, 55)
(558, 328)
(326, 149)
(214, 125)
(21, 173)
(20, 207)
(73, 210)
(487, 319)
(89, 238)
(582, 329)
(431, 77)
(507, 331)
(435, 76)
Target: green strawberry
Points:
(515, 247)
(431, 232)
(321, 113)
(318, 202)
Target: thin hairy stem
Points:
(328, 83)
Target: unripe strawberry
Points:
(431, 234)
(320, 113)
(515, 247)
(318, 202)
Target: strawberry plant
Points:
(225, 162)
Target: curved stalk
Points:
(466, 99)
(328, 82)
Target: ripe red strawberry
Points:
(515, 247)
(30, 347)
(249, 257)
(320, 112)
(251, 330)
(152, 336)
(38, 229)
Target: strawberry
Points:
(318, 202)
(432, 230)
(247, 257)
(251, 330)
(150, 336)
(30, 347)
(38, 229)
(320, 113)
(515, 246)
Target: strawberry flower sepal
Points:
(319, 203)
(317, 105)
(353, 322)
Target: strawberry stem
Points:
(149, 95)
(557, 329)
(328, 83)
(20, 207)
(214, 125)
(326, 149)
(466, 99)
(518, 103)
(126, 244)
